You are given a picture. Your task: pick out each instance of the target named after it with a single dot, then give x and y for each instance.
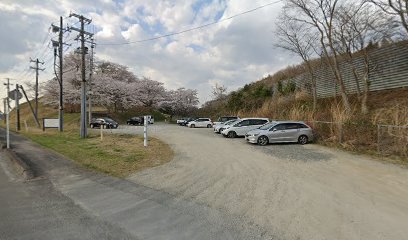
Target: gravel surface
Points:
(291, 191)
(66, 201)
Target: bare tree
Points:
(219, 91)
(357, 27)
(300, 39)
(320, 14)
(397, 8)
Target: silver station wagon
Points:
(280, 131)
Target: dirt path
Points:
(292, 191)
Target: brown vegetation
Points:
(334, 126)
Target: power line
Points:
(194, 28)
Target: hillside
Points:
(72, 118)
(286, 96)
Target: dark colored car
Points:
(135, 121)
(139, 120)
(104, 122)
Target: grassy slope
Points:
(117, 155)
(359, 132)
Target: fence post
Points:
(145, 130)
(378, 139)
(340, 128)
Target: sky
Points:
(232, 53)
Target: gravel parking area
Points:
(291, 191)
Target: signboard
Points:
(12, 94)
(50, 123)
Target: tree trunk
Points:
(314, 88)
(366, 81)
(339, 78)
(337, 74)
(355, 75)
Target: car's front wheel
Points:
(263, 140)
(209, 126)
(303, 139)
(192, 126)
(232, 134)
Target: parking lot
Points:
(293, 191)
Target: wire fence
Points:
(386, 140)
(392, 140)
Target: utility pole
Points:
(16, 98)
(36, 68)
(90, 93)
(7, 111)
(4, 110)
(82, 33)
(60, 46)
(61, 94)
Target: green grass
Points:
(117, 155)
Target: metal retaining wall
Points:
(388, 70)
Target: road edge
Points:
(21, 166)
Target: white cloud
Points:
(232, 53)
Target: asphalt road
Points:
(65, 201)
(293, 191)
(35, 210)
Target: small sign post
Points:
(101, 132)
(50, 123)
(146, 119)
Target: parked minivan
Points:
(242, 126)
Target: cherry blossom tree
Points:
(113, 86)
(149, 92)
(180, 102)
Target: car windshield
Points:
(230, 122)
(109, 120)
(267, 126)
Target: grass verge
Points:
(118, 154)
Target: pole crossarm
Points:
(79, 30)
(80, 17)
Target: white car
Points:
(221, 126)
(242, 126)
(180, 121)
(200, 122)
(224, 119)
(281, 131)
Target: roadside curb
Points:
(22, 167)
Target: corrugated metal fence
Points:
(388, 69)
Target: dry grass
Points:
(394, 115)
(351, 131)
